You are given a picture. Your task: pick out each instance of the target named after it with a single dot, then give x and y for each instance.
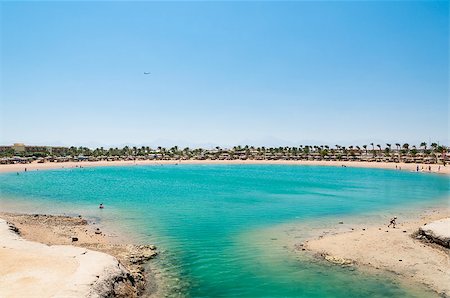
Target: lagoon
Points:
(221, 228)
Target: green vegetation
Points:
(402, 153)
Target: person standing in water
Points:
(101, 206)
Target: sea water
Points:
(214, 224)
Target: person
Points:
(417, 169)
(392, 222)
(101, 206)
(429, 168)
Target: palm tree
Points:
(306, 149)
(434, 146)
(405, 148)
(424, 145)
(365, 148)
(398, 151)
(338, 148)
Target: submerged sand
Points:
(400, 250)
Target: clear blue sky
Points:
(265, 73)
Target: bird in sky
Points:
(147, 73)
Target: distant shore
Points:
(399, 250)
(435, 168)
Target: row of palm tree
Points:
(399, 152)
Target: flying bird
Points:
(147, 73)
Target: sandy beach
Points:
(398, 250)
(358, 164)
(39, 255)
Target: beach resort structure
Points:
(435, 154)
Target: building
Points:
(18, 147)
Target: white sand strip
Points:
(31, 269)
(393, 250)
(411, 167)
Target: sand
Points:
(381, 165)
(395, 250)
(31, 268)
(92, 266)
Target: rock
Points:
(437, 232)
(113, 282)
(13, 228)
(341, 222)
(338, 261)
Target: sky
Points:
(224, 73)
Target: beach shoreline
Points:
(112, 268)
(411, 167)
(375, 247)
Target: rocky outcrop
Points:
(133, 258)
(74, 271)
(437, 232)
(115, 281)
(337, 260)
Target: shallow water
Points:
(212, 221)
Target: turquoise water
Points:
(210, 221)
